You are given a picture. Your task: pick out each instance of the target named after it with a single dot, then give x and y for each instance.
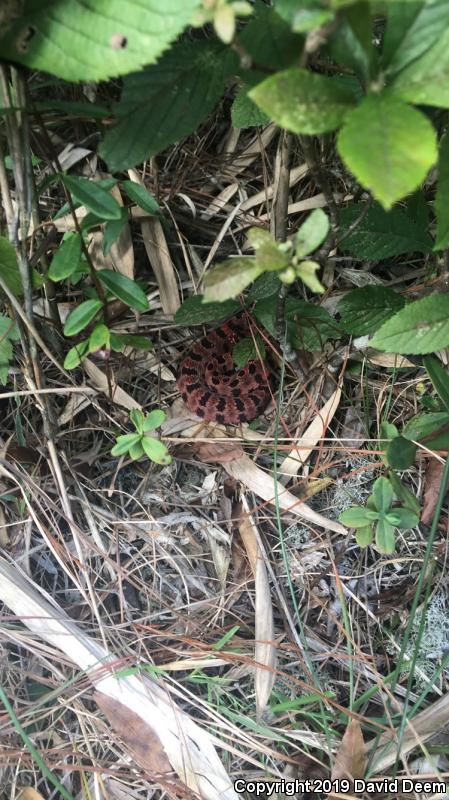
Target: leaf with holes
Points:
(402, 147)
(166, 101)
(92, 41)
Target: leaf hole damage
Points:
(25, 38)
(118, 42)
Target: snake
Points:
(211, 385)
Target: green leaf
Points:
(271, 256)
(244, 112)
(312, 233)
(8, 329)
(402, 518)
(124, 288)
(381, 234)
(421, 426)
(194, 312)
(136, 451)
(425, 81)
(348, 49)
(412, 29)
(94, 197)
(80, 317)
(309, 326)
(355, 517)
(154, 420)
(138, 342)
(419, 328)
(75, 354)
(364, 310)
(230, 278)
(137, 418)
(267, 285)
(404, 494)
(382, 494)
(9, 269)
(92, 41)
(125, 443)
(141, 196)
(303, 101)
(156, 450)
(439, 377)
(100, 337)
(307, 273)
(400, 453)
(442, 197)
(247, 350)
(402, 147)
(67, 258)
(166, 101)
(364, 536)
(112, 231)
(85, 110)
(269, 40)
(388, 430)
(385, 540)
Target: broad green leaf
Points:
(303, 101)
(439, 376)
(247, 350)
(137, 418)
(355, 517)
(385, 540)
(307, 272)
(244, 112)
(94, 197)
(402, 147)
(267, 285)
(95, 40)
(9, 269)
(269, 39)
(402, 518)
(83, 110)
(80, 317)
(67, 258)
(347, 44)
(404, 494)
(422, 426)
(312, 233)
(308, 326)
(124, 443)
(136, 450)
(141, 196)
(230, 278)
(271, 256)
(364, 310)
(166, 101)
(138, 342)
(117, 343)
(8, 329)
(364, 536)
(156, 450)
(442, 196)
(400, 453)
(194, 312)
(100, 337)
(419, 328)
(112, 231)
(75, 354)
(424, 80)
(124, 288)
(412, 28)
(154, 420)
(388, 430)
(381, 234)
(382, 494)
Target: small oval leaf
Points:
(80, 317)
(124, 288)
